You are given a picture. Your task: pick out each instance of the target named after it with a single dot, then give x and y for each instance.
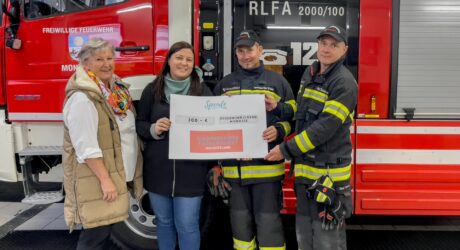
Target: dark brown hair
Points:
(196, 88)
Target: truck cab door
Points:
(52, 33)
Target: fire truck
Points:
(406, 133)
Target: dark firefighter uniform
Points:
(322, 146)
(256, 184)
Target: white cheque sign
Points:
(217, 127)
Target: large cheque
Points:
(217, 127)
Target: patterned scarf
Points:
(117, 97)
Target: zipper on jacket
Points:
(174, 178)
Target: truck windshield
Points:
(42, 8)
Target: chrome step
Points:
(44, 197)
(25, 157)
(41, 150)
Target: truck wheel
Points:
(139, 230)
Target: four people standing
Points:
(102, 151)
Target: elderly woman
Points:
(175, 187)
(101, 151)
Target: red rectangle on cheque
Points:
(221, 141)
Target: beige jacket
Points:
(83, 202)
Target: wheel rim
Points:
(141, 217)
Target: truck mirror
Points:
(13, 16)
(13, 13)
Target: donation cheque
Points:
(217, 127)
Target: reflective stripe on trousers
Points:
(244, 245)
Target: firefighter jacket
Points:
(322, 144)
(260, 81)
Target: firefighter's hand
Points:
(322, 190)
(275, 154)
(109, 190)
(162, 125)
(270, 103)
(218, 187)
(270, 134)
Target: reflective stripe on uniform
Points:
(336, 109)
(286, 127)
(253, 91)
(303, 142)
(293, 104)
(244, 245)
(262, 171)
(252, 172)
(313, 173)
(352, 116)
(230, 172)
(321, 198)
(315, 95)
(273, 248)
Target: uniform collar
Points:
(315, 67)
(252, 72)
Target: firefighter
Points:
(255, 183)
(321, 150)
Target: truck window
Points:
(42, 8)
(428, 56)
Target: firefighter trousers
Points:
(309, 234)
(256, 206)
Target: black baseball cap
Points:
(247, 38)
(337, 32)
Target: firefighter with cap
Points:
(321, 149)
(255, 197)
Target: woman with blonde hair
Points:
(101, 150)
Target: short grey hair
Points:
(93, 45)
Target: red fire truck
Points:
(406, 135)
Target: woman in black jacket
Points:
(175, 187)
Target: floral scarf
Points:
(117, 97)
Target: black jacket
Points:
(325, 105)
(260, 81)
(163, 176)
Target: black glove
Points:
(322, 191)
(327, 221)
(332, 217)
(337, 210)
(218, 187)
